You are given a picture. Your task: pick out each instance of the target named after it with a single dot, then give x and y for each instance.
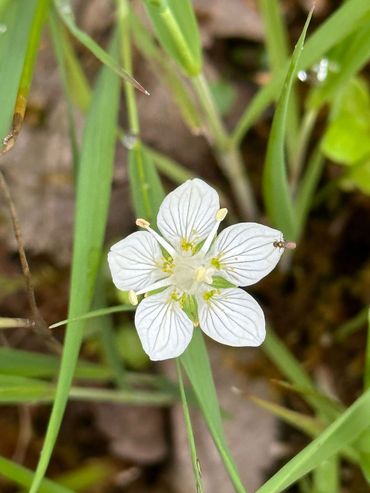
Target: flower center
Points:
(190, 272)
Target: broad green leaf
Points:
(93, 193)
(65, 11)
(23, 477)
(17, 17)
(358, 175)
(196, 363)
(176, 28)
(275, 183)
(342, 432)
(347, 138)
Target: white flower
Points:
(184, 267)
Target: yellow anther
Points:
(142, 223)
(221, 214)
(200, 274)
(132, 298)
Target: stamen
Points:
(143, 223)
(156, 285)
(288, 245)
(200, 274)
(132, 298)
(220, 216)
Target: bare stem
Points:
(227, 153)
(40, 324)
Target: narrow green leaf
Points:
(17, 19)
(93, 192)
(196, 363)
(189, 430)
(339, 25)
(342, 432)
(367, 355)
(275, 183)
(65, 11)
(100, 312)
(176, 28)
(23, 477)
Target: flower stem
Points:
(227, 153)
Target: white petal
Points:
(164, 329)
(188, 214)
(135, 261)
(232, 317)
(246, 252)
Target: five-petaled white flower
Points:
(186, 265)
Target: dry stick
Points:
(40, 326)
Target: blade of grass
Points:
(23, 477)
(275, 183)
(100, 312)
(65, 12)
(93, 192)
(25, 79)
(339, 25)
(352, 325)
(276, 40)
(189, 430)
(367, 355)
(17, 17)
(326, 476)
(342, 432)
(196, 363)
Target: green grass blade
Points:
(342, 432)
(339, 25)
(176, 28)
(100, 312)
(17, 17)
(275, 182)
(189, 430)
(93, 193)
(30, 364)
(326, 476)
(23, 477)
(196, 363)
(307, 188)
(65, 11)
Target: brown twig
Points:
(40, 325)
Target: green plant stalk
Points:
(303, 139)
(26, 76)
(189, 430)
(228, 155)
(276, 39)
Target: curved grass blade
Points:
(276, 191)
(23, 477)
(342, 432)
(101, 312)
(93, 193)
(14, 75)
(65, 11)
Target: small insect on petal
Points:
(288, 245)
